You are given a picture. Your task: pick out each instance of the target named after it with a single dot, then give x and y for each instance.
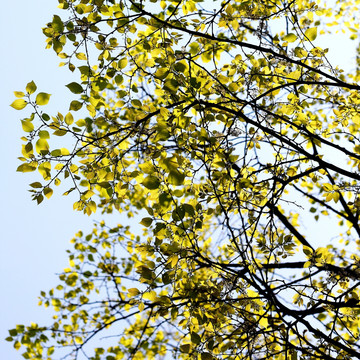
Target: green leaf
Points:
(136, 103)
(27, 126)
(171, 85)
(195, 338)
(13, 332)
(56, 152)
(176, 178)
(206, 356)
(42, 98)
(151, 182)
(85, 70)
(57, 24)
(75, 105)
(75, 88)
(39, 199)
(185, 348)
(178, 213)
(36, 185)
(18, 104)
(146, 221)
(311, 33)
(44, 134)
(60, 132)
(26, 168)
(31, 87)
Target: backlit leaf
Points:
(27, 126)
(75, 105)
(151, 182)
(75, 88)
(311, 33)
(19, 104)
(42, 98)
(31, 87)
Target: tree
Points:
(225, 132)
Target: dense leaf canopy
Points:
(223, 130)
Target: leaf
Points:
(290, 37)
(13, 332)
(42, 98)
(57, 24)
(136, 103)
(42, 146)
(27, 126)
(161, 73)
(185, 348)
(36, 185)
(44, 134)
(26, 168)
(311, 33)
(133, 292)
(31, 87)
(60, 132)
(39, 199)
(195, 338)
(123, 63)
(176, 178)
(81, 56)
(48, 192)
(75, 105)
(206, 356)
(19, 94)
(151, 182)
(75, 88)
(171, 85)
(146, 221)
(19, 104)
(69, 119)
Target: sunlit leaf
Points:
(18, 104)
(311, 33)
(42, 98)
(31, 87)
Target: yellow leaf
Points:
(311, 33)
(27, 126)
(19, 94)
(133, 292)
(19, 104)
(42, 98)
(48, 192)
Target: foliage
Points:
(223, 130)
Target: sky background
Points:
(34, 238)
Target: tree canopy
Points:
(227, 143)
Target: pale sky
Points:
(34, 238)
